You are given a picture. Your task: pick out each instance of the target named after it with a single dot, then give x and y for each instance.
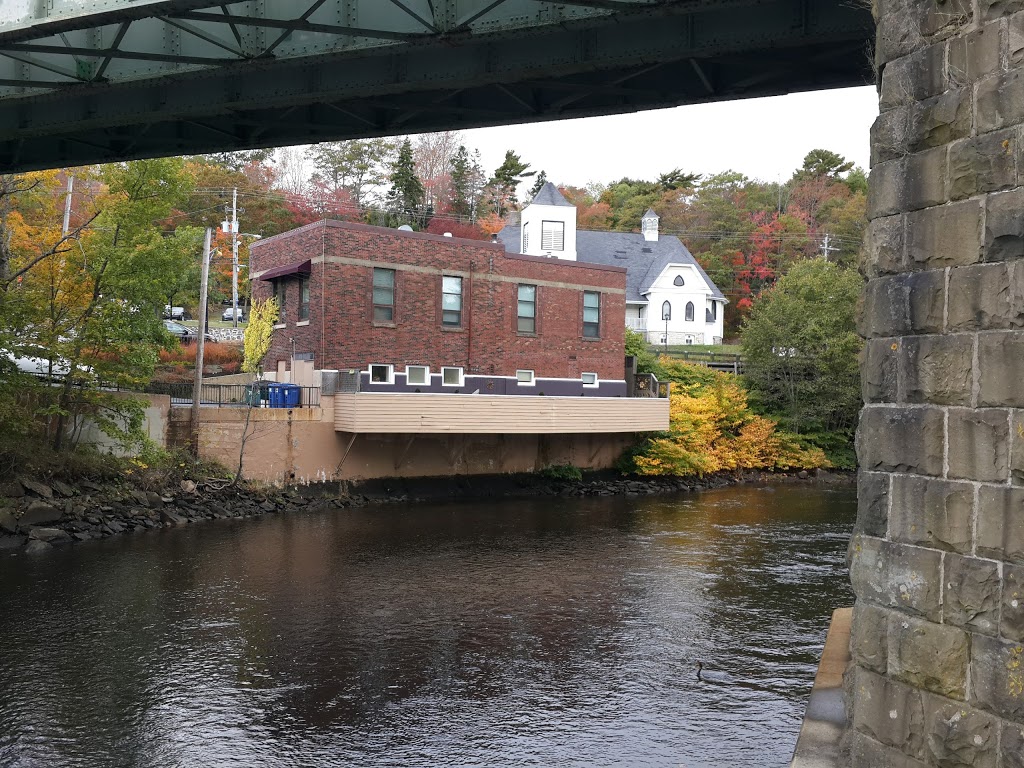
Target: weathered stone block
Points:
(942, 19)
(932, 513)
(974, 55)
(878, 370)
(979, 444)
(884, 310)
(898, 576)
(869, 633)
(882, 253)
(946, 236)
(892, 134)
(901, 440)
(929, 656)
(1004, 226)
(908, 76)
(1001, 369)
(889, 712)
(1011, 624)
(1000, 533)
(1000, 101)
(865, 752)
(971, 593)
(872, 503)
(935, 122)
(926, 297)
(1017, 447)
(1011, 744)
(1015, 41)
(937, 369)
(925, 183)
(984, 164)
(994, 9)
(886, 186)
(958, 736)
(997, 677)
(986, 297)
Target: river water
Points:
(550, 632)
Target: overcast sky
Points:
(763, 138)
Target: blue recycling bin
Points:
(290, 395)
(274, 395)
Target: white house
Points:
(669, 298)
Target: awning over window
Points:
(298, 268)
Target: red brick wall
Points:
(341, 333)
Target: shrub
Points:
(565, 472)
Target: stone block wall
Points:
(937, 560)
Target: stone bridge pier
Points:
(937, 562)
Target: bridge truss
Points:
(85, 81)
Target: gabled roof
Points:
(644, 260)
(549, 195)
(650, 215)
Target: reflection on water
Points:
(542, 632)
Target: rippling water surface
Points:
(547, 632)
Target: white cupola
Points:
(649, 226)
(548, 225)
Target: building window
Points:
(714, 310)
(451, 377)
(281, 293)
(679, 280)
(666, 311)
(591, 314)
(526, 239)
(589, 379)
(552, 235)
(383, 295)
(689, 311)
(524, 377)
(417, 374)
(451, 301)
(303, 298)
(526, 314)
(382, 374)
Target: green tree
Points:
(467, 183)
(505, 181)
(358, 165)
(822, 162)
(259, 334)
(405, 198)
(677, 179)
(801, 352)
(538, 184)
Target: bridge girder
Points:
(103, 80)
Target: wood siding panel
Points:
(495, 414)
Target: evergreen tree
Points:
(462, 196)
(542, 179)
(405, 198)
(505, 181)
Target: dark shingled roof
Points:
(549, 195)
(643, 260)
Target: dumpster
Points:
(290, 395)
(274, 395)
(255, 394)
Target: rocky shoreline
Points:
(37, 516)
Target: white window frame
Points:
(426, 375)
(594, 380)
(444, 375)
(520, 381)
(550, 235)
(391, 373)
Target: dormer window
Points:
(679, 280)
(552, 236)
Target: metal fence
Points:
(259, 395)
(647, 385)
(719, 361)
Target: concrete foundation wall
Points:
(937, 562)
(302, 446)
(155, 423)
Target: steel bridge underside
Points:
(86, 81)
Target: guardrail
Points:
(719, 361)
(259, 395)
(647, 385)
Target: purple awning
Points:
(298, 268)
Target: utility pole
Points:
(67, 205)
(197, 386)
(234, 257)
(827, 247)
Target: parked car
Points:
(229, 314)
(185, 334)
(174, 313)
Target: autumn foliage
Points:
(712, 429)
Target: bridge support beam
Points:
(937, 562)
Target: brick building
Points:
(422, 312)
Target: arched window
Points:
(689, 311)
(679, 280)
(666, 311)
